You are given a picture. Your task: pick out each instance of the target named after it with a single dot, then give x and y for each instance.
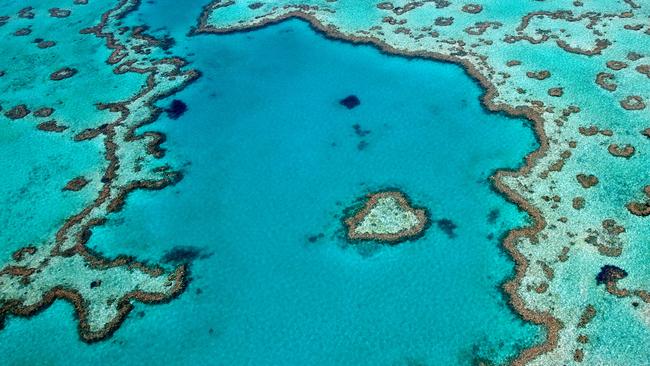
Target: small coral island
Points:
(387, 216)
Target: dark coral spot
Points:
(359, 131)
(184, 254)
(492, 216)
(351, 101)
(362, 145)
(22, 32)
(447, 226)
(17, 112)
(176, 109)
(63, 73)
(167, 42)
(314, 238)
(46, 44)
(44, 112)
(76, 184)
(609, 273)
(59, 13)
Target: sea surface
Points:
(271, 160)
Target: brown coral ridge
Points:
(625, 151)
(51, 126)
(593, 130)
(26, 13)
(640, 208)
(616, 65)
(578, 203)
(607, 241)
(587, 181)
(556, 92)
(539, 75)
(22, 32)
(119, 50)
(108, 130)
(59, 13)
(604, 80)
(111, 172)
(472, 8)
(76, 184)
(399, 10)
(43, 112)
(412, 233)
(587, 316)
(593, 18)
(180, 276)
(63, 73)
(633, 103)
(643, 69)
(20, 253)
(552, 324)
(609, 275)
(18, 112)
(45, 44)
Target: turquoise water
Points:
(41, 164)
(36, 164)
(270, 159)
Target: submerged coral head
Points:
(387, 216)
(609, 273)
(176, 109)
(351, 101)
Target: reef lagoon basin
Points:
(276, 163)
(318, 183)
(271, 159)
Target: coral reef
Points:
(387, 216)
(536, 60)
(101, 290)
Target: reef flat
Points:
(386, 217)
(579, 71)
(54, 59)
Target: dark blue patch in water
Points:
(176, 109)
(350, 102)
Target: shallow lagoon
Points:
(270, 159)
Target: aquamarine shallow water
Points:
(36, 167)
(272, 159)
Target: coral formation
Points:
(387, 216)
(101, 290)
(539, 62)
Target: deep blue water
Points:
(271, 158)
